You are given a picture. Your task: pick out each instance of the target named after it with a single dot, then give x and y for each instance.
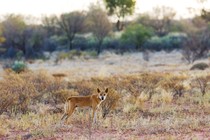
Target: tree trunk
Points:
(70, 45)
(70, 38)
(119, 25)
(99, 46)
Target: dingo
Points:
(92, 101)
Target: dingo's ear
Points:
(98, 90)
(106, 90)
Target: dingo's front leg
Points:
(94, 115)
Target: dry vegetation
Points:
(143, 105)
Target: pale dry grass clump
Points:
(131, 103)
(111, 102)
(138, 106)
(4, 129)
(18, 91)
(163, 96)
(166, 97)
(202, 83)
(174, 83)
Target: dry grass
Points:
(139, 106)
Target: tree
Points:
(205, 15)
(50, 25)
(34, 35)
(99, 25)
(162, 17)
(13, 31)
(196, 46)
(136, 35)
(71, 24)
(22, 37)
(201, 83)
(2, 39)
(121, 8)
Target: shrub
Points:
(149, 83)
(196, 46)
(59, 40)
(19, 66)
(11, 52)
(174, 84)
(167, 42)
(16, 93)
(76, 54)
(199, 66)
(62, 56)
(136, 35)
(85, 43)
(201, 83)
(111, 43)
(91, 43)
(110, 103)
(145, 83)
(2, 50)
(84, 87)
(41, 82)
(47, 87)
(89, 54)
(50, 45)
(57, 91)
(68, 55)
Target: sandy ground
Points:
(108, 64)
(111, 64)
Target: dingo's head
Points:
(102, 94)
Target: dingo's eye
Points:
(104, 94)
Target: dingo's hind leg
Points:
(68, 110)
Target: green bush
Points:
(19, 66)
(199, 66)
(111, 43)
(84, 43)
(168, 42)
(59, 40)
(136, 35)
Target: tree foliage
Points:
(13, 28)
(50, 24)
(20, 36)
(162, 17)
(136, 35)
(99, 24)
(196, 45)
(71, 24)
(2, 39)
(120, 8)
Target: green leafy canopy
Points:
(120, 7)
(136, 34)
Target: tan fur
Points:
(92, 101)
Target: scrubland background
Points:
(155, 66)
